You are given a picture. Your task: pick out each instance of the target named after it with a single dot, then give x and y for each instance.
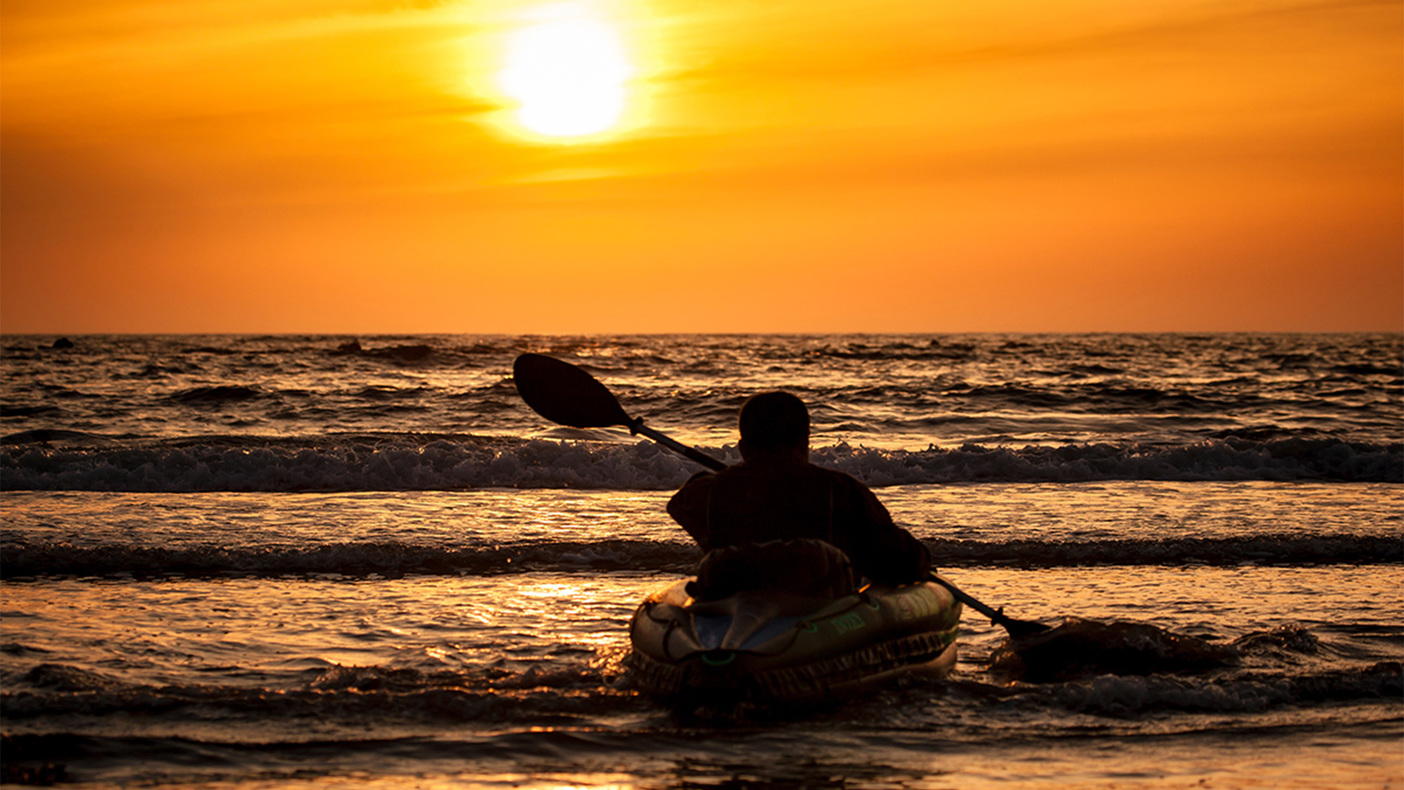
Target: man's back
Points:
(778, 499)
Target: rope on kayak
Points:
(818, 678)
(814, 680)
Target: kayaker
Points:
(775, 519)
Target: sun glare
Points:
(568, 73)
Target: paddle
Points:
(567, 395)
(1016, 628)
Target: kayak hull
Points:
(767, 647)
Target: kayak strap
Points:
(805, 681)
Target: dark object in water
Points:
(406, 353)
(414, 353)
(45, 775)
(25, 761)
(1083, 648)
(44, 436)
(224, 393)
(62, 342)
(349, 347)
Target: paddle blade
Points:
(1022, 629)
(565, 394)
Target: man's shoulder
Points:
(701, 480)
(836, 475)
(839, 482)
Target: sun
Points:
(568, 73)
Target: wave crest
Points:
(400, 462)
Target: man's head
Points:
(774, 423)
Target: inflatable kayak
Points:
(768, 647)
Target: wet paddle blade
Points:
(1022, 629)
(565, 394)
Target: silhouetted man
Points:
(776, 494)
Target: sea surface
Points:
(334, 561)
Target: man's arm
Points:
(689, 507)
(883, 551)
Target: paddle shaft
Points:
(963, 597)
(692, 453)
(1016, 628)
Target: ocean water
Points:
(238, 561)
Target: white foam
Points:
(408, 463)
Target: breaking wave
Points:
(78, 462)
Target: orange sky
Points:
(892, 165)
